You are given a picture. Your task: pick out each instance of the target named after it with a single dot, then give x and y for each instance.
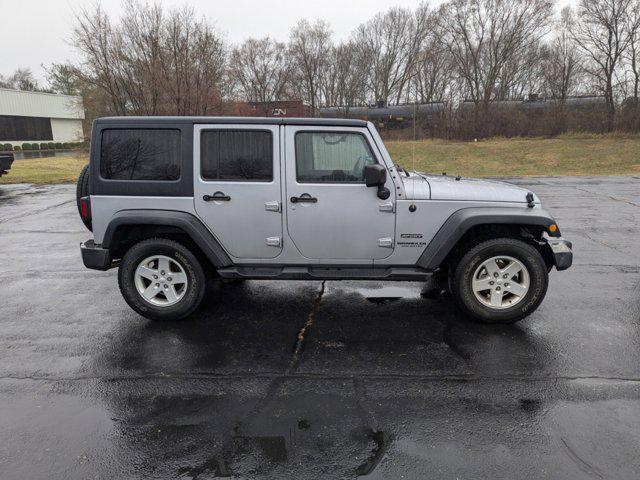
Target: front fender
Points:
(462, 220)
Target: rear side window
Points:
(237, 155)
(140, 154)
(331, 157)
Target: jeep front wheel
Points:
(161, 279)
(500, 280)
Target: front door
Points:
(331, 214)
(237, 187)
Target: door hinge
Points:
(272, 206)
(274, 241)
(387, 207)
(386, 242)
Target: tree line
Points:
(473, 55)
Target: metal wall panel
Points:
(38, 104)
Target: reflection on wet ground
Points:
(319, 380)
(385, 293)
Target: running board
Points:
(314, 273)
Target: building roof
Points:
(233, 120)
(40, 104)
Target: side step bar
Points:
(315, 273)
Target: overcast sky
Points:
(36, 32)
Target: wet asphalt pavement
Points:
(319, 380)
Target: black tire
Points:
(83, 190)
(196, 280)
(463, 276)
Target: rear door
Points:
(237, 187)
(331, 213)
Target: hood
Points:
(422, 186)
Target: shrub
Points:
(26, 146)
(17, 148)
(58, 146)
(1, 147)
(35, 146)
(66, 145)
(51, 146)
(8, 147)
(44, 146)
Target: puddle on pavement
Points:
(273, 448)
(388, 294)
(530, 405)
(380, 442)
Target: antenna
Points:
(412, 207)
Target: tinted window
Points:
(331, 157)
(236, 155)
(25, 128)
(140, 154)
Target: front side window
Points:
(140, 154)
(332, 157)
(237, 155)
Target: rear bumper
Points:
(562, 254)
(95, 257)
(5, 164)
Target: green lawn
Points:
(564, 155)
(43, 171)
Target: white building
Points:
(27, 117)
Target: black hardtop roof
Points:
(323, 122)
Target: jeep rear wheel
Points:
(500, 280)
(161, 279)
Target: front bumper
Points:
(95, 257)
(562, 254)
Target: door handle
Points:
(303, 199)
(218, 197)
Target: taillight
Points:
(85, 208)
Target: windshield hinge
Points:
(387, 207)
(386, 242)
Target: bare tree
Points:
(632, 56)
(487, 38)
(561, 60)
(152, 62)
(329, 77)
(310, 46)
(351, 77)
(390, 43)
(433, 70)
(261, 69)
(195, 61)
(601, 31)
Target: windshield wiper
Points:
(401, 169)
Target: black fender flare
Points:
(184, 221)
(462, 220)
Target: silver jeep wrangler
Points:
(173, 201)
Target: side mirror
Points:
(376, 176)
